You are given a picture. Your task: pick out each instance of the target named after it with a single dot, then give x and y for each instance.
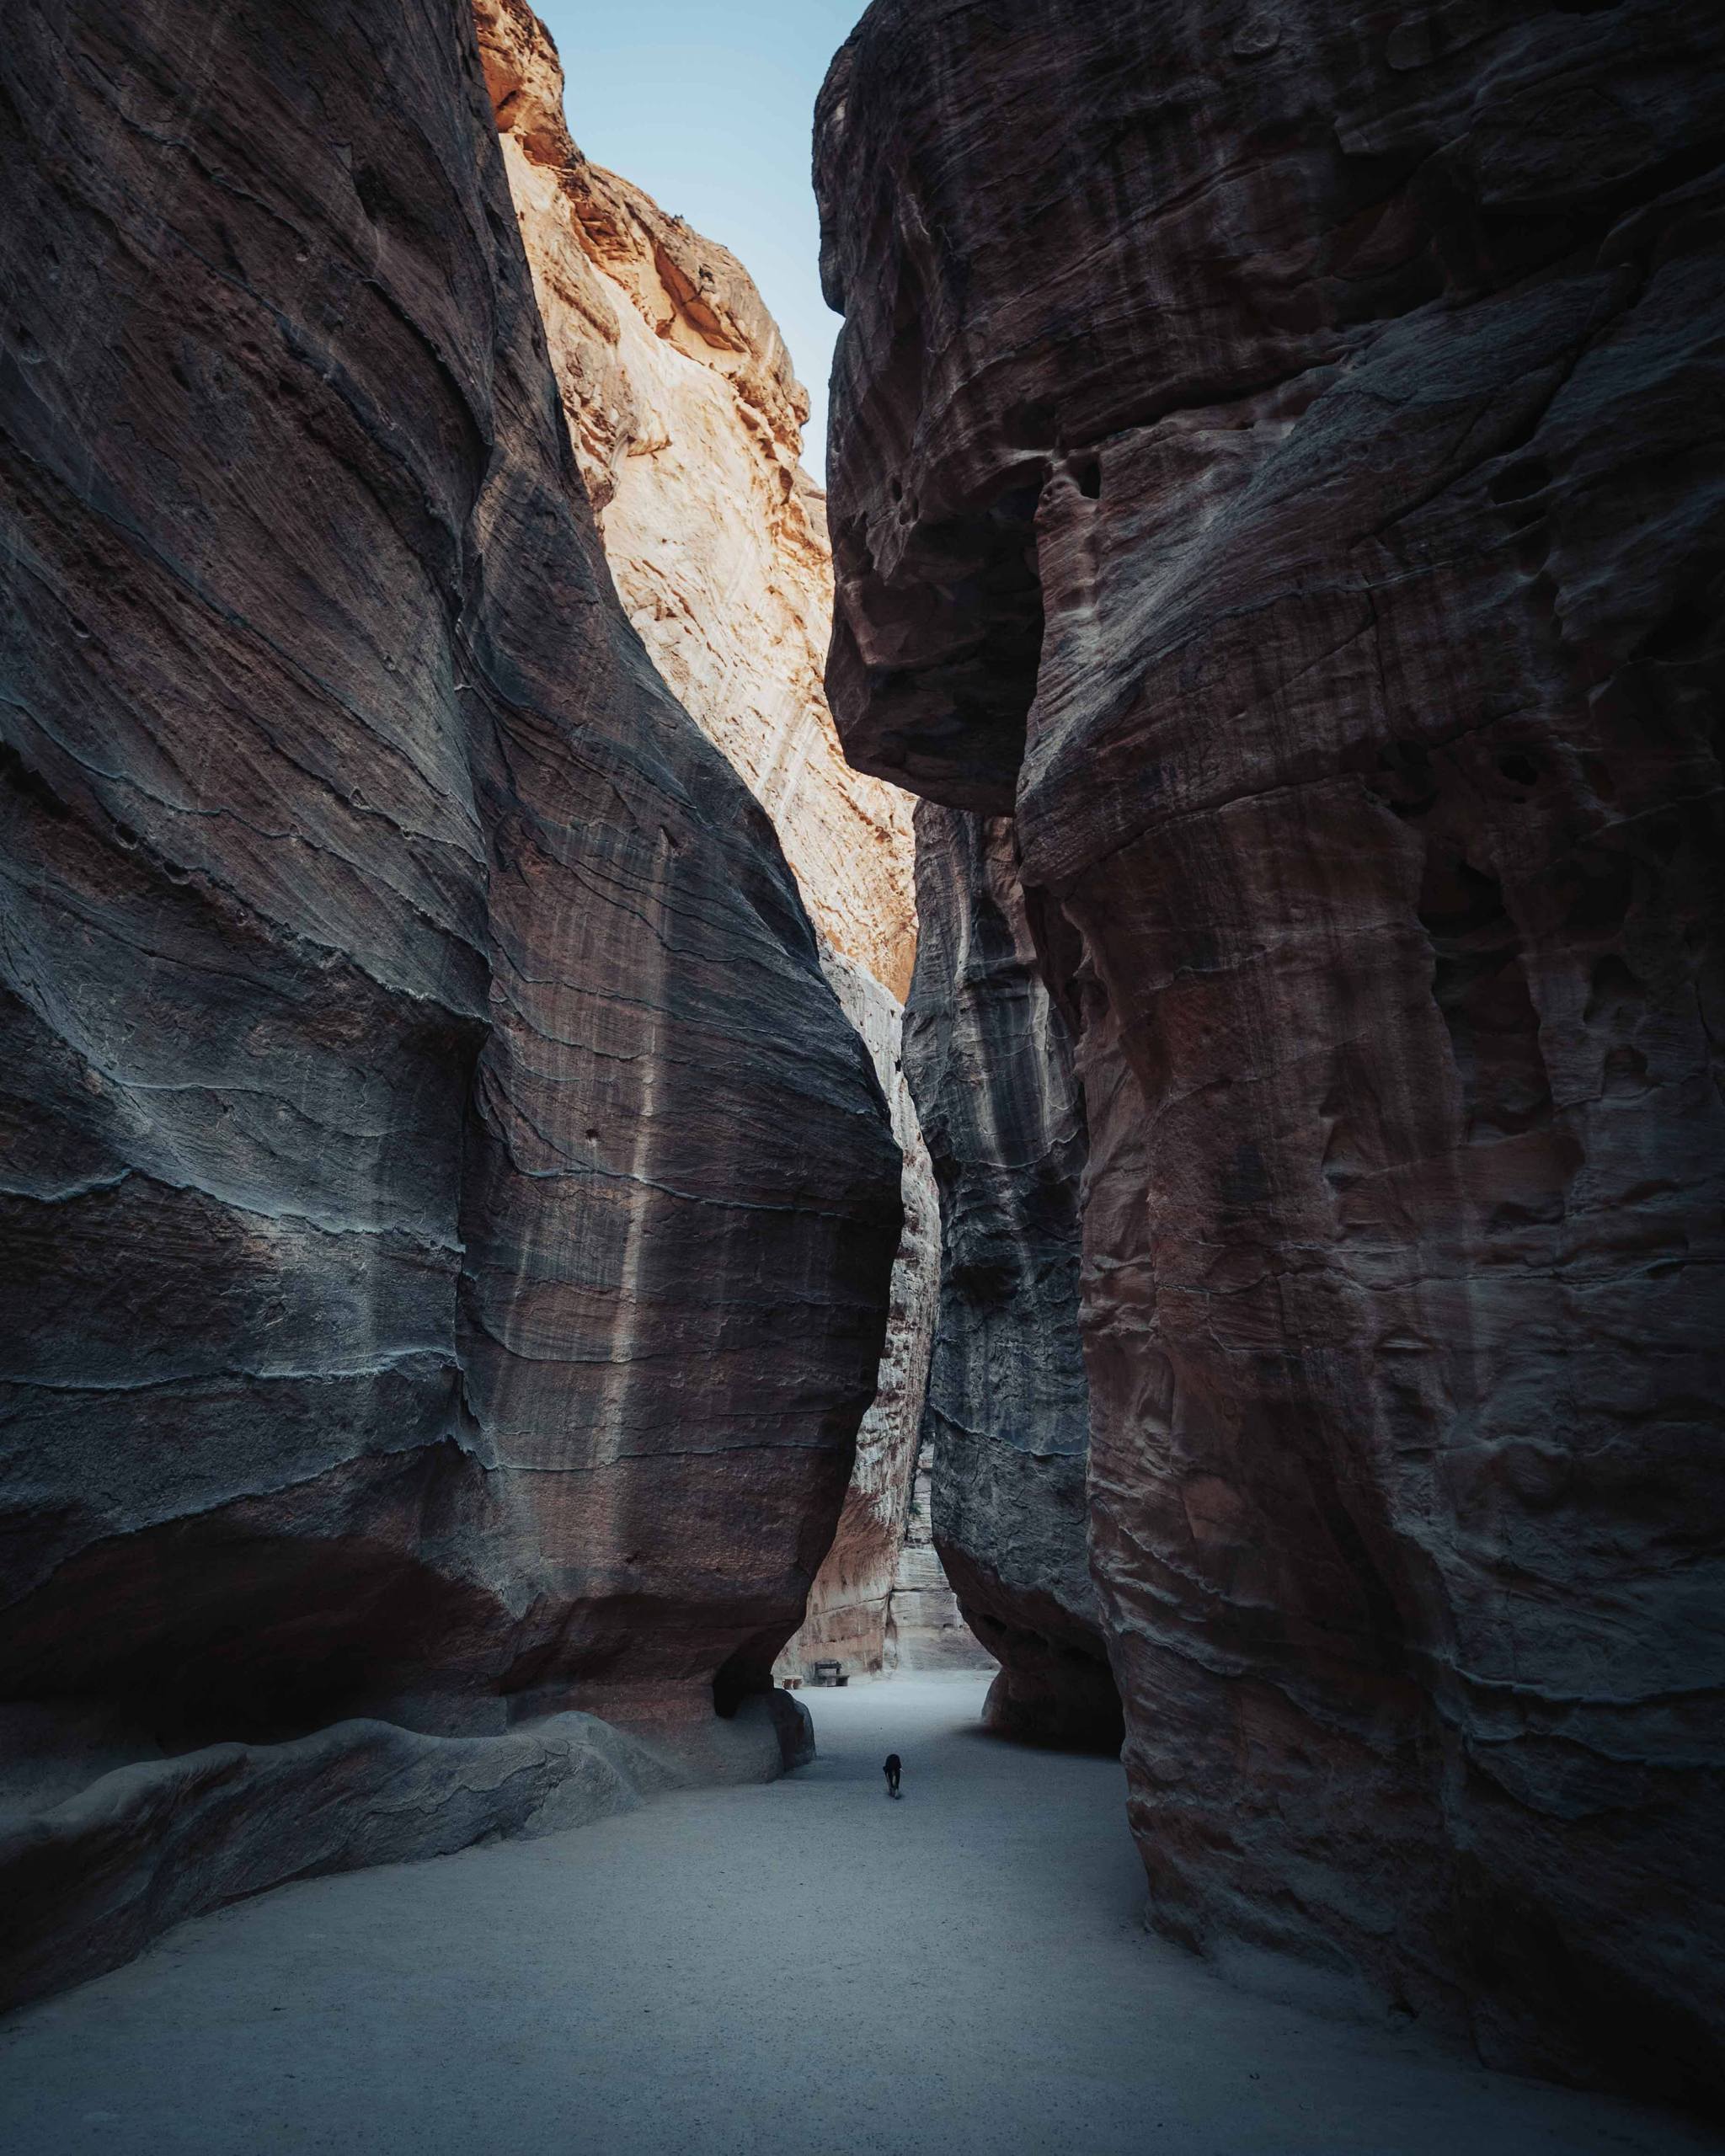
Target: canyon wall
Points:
(687, 422)
(447, 1217)
(849, 1613)
(990, 1062)
(1289, 488)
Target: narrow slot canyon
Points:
(1042, 1103)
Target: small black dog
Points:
(894, 1768)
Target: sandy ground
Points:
(804, 1968)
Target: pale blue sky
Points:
(708, 104)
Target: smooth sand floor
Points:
(806, 1967)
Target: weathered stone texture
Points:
(688, 421)
(925, 1627)
(990, 1063)
(1291, 486)
(446, 1217)
(848, 1616)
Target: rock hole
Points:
(1516, 481)
(1599, 887)
(373, 191)
(17, 774)
(1480, 986)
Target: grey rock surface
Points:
(989, 1060)
(446, 1220)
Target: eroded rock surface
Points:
(990, 1062)
(925, 1629)
(1289, 487)
(849, 1613)
(446, 1217)
(688, 421)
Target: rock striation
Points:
(1288, 487)
(446, 1218)
(687, 422)
(688, 419)
(849, 1616)
(989, 1060)
(925, 1629)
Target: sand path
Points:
(804, 1968)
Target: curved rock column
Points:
(849, 1617)
(447, 1219)
(1288, 486)
(687, 422)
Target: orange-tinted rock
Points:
(849, 1616)
(1273, 459)
(688, 421)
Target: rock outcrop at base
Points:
(1289, 487)
(89, 1882)
(446, 1219)
(990, 1063)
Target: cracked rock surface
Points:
(1287, 484)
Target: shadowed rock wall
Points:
(849, 1604)
(1287, 482)
(989, 1060)
(447, 1219)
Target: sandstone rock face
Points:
(1289, 487)
(990, 1062)
(446, 1216)
(849, 1614)
(688, 421)
(925, 1629)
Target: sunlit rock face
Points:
(448, 1218)
(687, 422)
(990, 1061)
(849, 1618)
(1274, 462)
